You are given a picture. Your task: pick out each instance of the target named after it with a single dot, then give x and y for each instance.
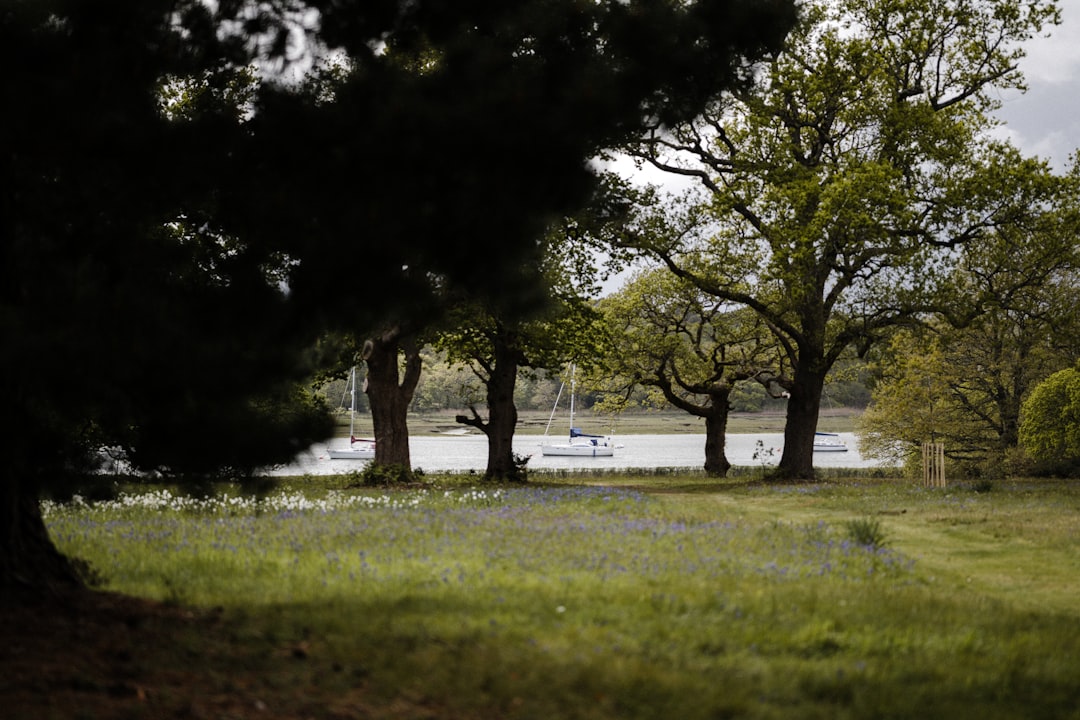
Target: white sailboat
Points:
(579, 444)
(359, 448)
(828, 442)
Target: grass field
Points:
(664, 598)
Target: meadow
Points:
(620, 597)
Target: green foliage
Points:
(667, 335)
(376, 475)
(1050, 431)
(838, 184)
(747, 397)
(912, 404)
(962, 379)
(445, 385)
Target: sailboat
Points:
(828, 442)
(580, 444)
(359, 448)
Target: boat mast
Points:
(352, 407)
(555, 407)
(572, 398)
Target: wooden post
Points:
(933, 462)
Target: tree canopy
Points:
(960, 378)
(167, 269)
(688, 345)
(438, 154)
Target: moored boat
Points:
(359, 448)
(828, 442)
(579, 444)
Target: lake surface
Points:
(460, 453)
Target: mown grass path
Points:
(1018, 542)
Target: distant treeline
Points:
(452, 387)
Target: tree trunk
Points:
(716, 462)
(797, 460)
(30, 565)
(502, 420)
(715, 413)
(502, 413)
(389, 395)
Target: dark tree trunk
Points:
(30, 565)
(797, 460)
(502, 420)
(716, 462)
(502, 413)
(1009, 403)
(715, 413)
(389, 394)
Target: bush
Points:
(1050, 426)
(378, 475)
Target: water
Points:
(461, 453)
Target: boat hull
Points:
(360, 453)
(577, 450)
(828, 442)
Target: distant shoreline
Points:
(533, 422)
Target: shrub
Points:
(867, 532)
(378, 475)
(1050, 426)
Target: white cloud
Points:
(1055, 59)
(1045, 121)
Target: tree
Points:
(123, 316)
(444, 385)
(393, 364)
(497, 342)
(836, 187)
(913, 403)
(693, 348)
(963, 384)
(1051, 421)
(214, 246)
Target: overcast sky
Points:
(1045, 121)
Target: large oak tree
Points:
(835, 189)
(497, 342)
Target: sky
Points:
(1045, 121)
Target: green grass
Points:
(635, 598)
